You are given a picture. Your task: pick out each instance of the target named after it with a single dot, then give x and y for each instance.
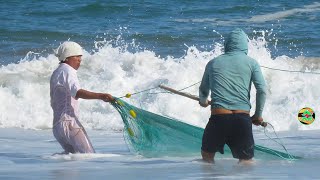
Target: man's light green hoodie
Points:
(230, 75)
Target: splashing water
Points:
(24, 87)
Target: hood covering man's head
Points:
(237, 40)
(68, 49)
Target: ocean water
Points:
(134, 46)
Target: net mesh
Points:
(152, 135)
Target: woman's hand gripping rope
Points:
(106, 97)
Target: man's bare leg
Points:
(246, 161)
(207, 157)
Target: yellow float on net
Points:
(130, 132)
(132, 113)
(128, 95)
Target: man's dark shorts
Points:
(235, 130)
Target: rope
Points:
(283, 70)
(189, 86)
(280, 142)
(129, 95)
(138, 92)
(177, 90)
(275, 69)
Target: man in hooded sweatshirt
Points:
(65, 91)
(228, 78)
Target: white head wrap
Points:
(68, 49)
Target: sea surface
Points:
(133, 46)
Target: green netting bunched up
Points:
(152, 135)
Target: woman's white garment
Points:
(67, 129)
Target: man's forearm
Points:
(260, 101)
(84, 94)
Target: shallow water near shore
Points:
(28, 154)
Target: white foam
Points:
(72, 157)
(314, 7)
(24, 87)
(286, 13)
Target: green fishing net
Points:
(152, 135)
